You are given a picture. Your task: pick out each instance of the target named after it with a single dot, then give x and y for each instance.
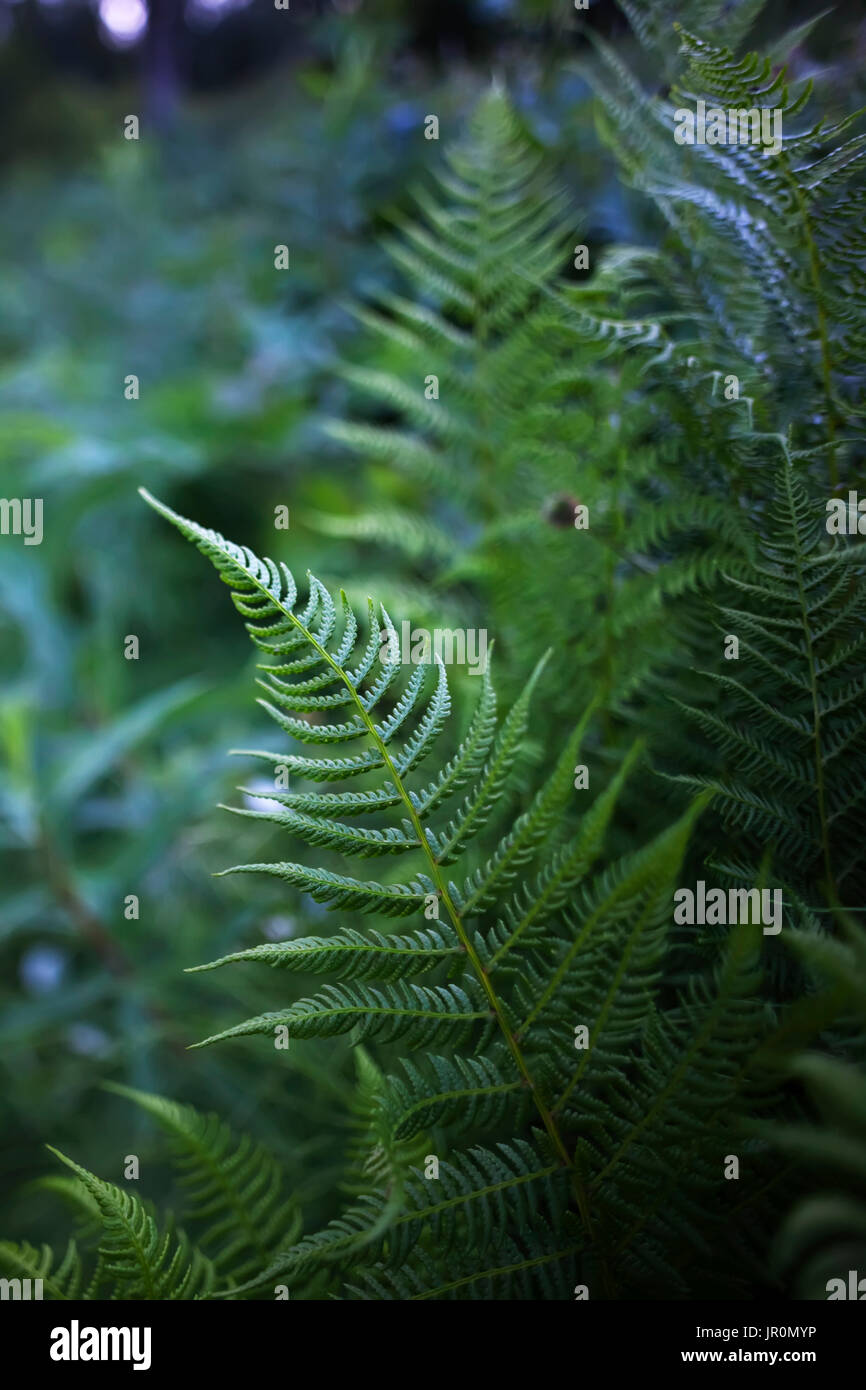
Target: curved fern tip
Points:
(70, 1163)
(117, 1088)
(160, 507)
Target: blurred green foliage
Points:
(157, 258)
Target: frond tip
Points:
(142, 1260)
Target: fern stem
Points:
(547, 1118)
(91, 927)
(826, 362)
(813, 685)
(703, 1035)
(93, 930)
(609, 599)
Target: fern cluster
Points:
(766, 244)
(528, 993)
(233, 1198)
(825, 1235)
(795, 768)
(555, 1082)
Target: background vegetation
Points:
(262, 388)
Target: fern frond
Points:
(423, 1014)
(353, 955)
(461, 1092)
(825, 1233)
(60, 1280)
(142, 1261)
(791, 732)
(233, 1188)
